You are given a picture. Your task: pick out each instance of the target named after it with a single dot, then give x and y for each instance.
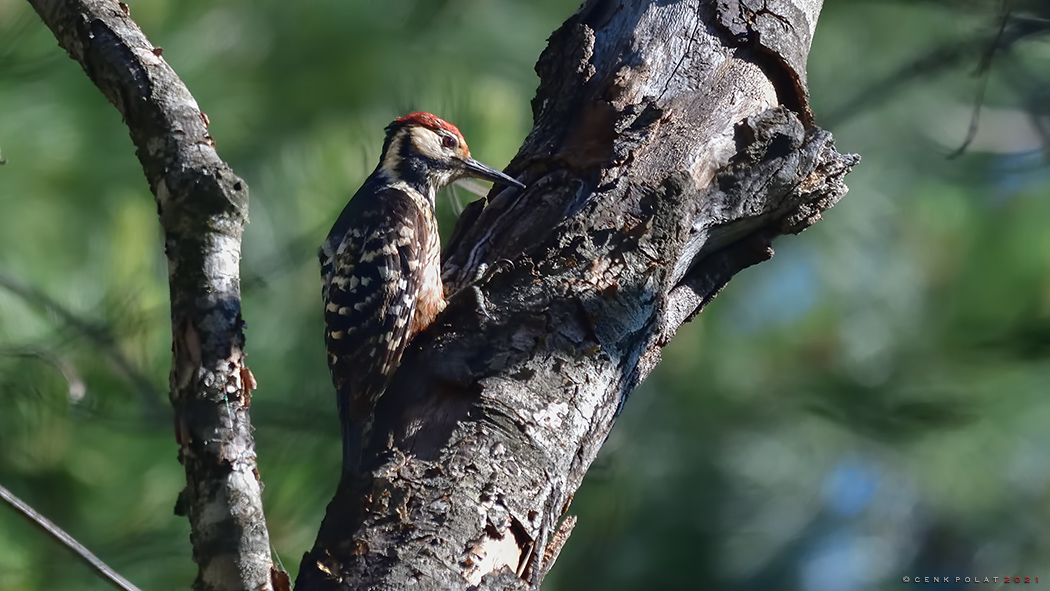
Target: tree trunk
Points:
(672, 143)
(202, 207)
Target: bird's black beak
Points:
(484, 171)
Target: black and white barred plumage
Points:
(380, 265)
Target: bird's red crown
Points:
(430, 121)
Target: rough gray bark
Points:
(672, 143)
(202, 207)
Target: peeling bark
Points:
(203, 207)
(672, 142)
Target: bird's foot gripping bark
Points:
(482, 276)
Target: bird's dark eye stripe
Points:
(448, 141)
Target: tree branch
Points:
(203, 207)
(659, 166)
(59, 535)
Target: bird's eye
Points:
(448, 141)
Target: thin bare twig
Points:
(85, 555)
(933, 62)
(984, 72)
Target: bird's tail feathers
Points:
(353, 440)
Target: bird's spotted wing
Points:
(370, 291)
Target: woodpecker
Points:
(381, 265)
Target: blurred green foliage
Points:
(869, 404)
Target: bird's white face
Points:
(444, 150)
(438, 145)
(426, 153)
